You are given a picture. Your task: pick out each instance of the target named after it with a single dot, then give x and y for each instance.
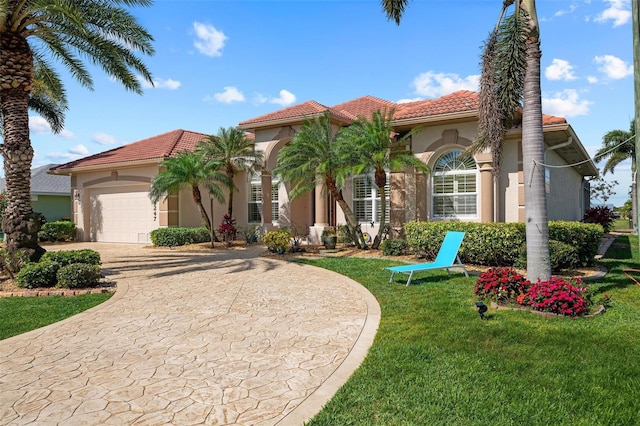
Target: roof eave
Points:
(251, 127)
(454, 116)
(108, 166)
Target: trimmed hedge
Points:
(41, 274)
(61, 230)
(171, 237)
(394, 247)
(77, 275)
(499, 244)
(66, 257)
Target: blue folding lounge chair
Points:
(447, 258)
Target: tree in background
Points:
(236, 153)
(511, 74)
(619, 146)
(31, 34)
(371, 146)
(312, 157)
(191, 170)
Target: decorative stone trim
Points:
(58, 292)
(497, 307)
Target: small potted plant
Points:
(329, 237)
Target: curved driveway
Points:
(222, 338)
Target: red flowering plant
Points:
(502, 285)
(227, 229)
(559, 297)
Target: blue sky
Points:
(221, 62)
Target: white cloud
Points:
(619, 12)
(407, 100)
(260, 99)
(160, 83)
(40, 126)
(79, 150)
(572, 8)
(613, 67)
(229, 95)
(73, 153)
(560, 70)
(103, 139)
(210, 41)
(433, 85)
(286, 98)
(566, 104)
(592, 79)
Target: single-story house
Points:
(110, 189)
(50, 194)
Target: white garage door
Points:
(122, 215)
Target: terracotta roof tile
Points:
(363, 107)
(154, 148)
(300, 110)
(461, 101)
(552, 119)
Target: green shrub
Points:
(584, 237)
(61, 230)
(278, 241)
(561, 256)
(171, 237)
(66, 257)
(394, 247)
(499, 244)
(78, 275)
(41, 274)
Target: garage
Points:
(121, 214)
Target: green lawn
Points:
(435, 362)
(21, 314)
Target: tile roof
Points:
(363, 107)
(44, 183)
(154, 148)
(457, 102)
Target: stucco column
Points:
(321, 206)
(397, 201)
(266, 197)
(486, 193)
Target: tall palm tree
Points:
(189, 169)
(517, 42)
(31, 34)
(313, 157)
(619, 146)
(235, 151)
(372, 147)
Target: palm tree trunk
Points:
(380, 177)
(197, 198)
(230, 174)
(19, 222)
(351, 219)
(537, 227)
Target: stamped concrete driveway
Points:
(227, 338)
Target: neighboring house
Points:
(110, 189)
(50, 194)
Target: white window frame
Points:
(370, 198)
(448, 165)
(275, 201)
(254, 203)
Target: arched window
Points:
(455, 186)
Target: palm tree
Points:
(313, 157)
(235, 151)
(189, 169)
(510, 73)
(372, 147)
(619, 146)
(32, 32)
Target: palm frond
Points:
(394, 9)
